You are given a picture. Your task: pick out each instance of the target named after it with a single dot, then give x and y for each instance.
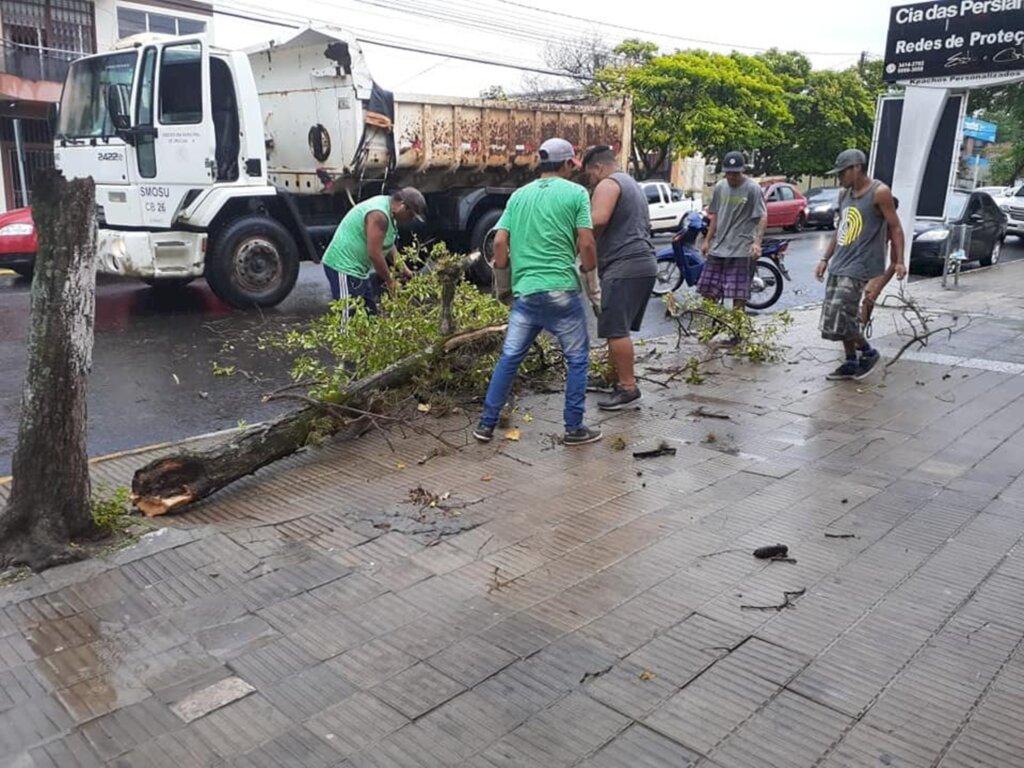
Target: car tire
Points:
(480, 271)
(994, 254)
(254, 262)
(800, 224)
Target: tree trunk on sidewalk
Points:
(50, 493)
(176, 481)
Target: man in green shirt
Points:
(357, 260)
(544, 225)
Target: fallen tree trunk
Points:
(176, 481)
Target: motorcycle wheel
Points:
(766, 285)
(668, 279)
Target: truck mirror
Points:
(118, 106)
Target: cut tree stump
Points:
(49, 505)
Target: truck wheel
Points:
(253, 263)
(480, 273)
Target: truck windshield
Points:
(83, 108)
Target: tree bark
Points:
(176, 481)
(49, 506)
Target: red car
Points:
(787, 206)
(18, 242)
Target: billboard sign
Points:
(982, 130)
(962, 42)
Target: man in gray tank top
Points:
(625, 265)
(855, 256)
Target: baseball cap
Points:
(558, 151)
(846, 158)
(734, 162)
(415, 202)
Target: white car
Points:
(1013, 206)
(668, 205)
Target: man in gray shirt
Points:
(738, 220)
(625, 265)
(855, 256)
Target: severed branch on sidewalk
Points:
(412, 347)
(916, 327)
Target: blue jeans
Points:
(562, 314)
(368, 290)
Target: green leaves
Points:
(333, 351)
(790, 118)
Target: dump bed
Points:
(315, 93)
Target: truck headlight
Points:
(14, 230)
(933, 235)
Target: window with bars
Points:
(132, 21)
(40, 37)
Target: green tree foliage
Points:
(1004, 106)
(831, 111)
(695, 100)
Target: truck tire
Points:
(480, 273)
(253, 263)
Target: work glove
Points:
(592, 286)
(502, 284)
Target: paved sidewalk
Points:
(579, 607)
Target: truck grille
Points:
(1016, 212)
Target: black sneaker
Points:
(868, 361)
(844, 372)
(599, 384)
(483, 433)
(582, 436)
(621, 398)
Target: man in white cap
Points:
(545, 224)
(856, 256)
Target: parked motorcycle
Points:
(681, 262)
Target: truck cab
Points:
(159, 126)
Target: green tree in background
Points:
(831, 111)
(695, 100)
(1004, 106)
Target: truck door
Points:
(178, 153)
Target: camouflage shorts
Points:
(840, 314)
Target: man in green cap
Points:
(358, 260)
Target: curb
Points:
(149, 448)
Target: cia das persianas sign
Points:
(967, 42)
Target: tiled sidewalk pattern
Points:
(591, 612)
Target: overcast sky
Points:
(831, 33)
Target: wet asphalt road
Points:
(153, 381)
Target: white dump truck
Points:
(237, 165)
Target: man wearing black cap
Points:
(855, 256)
(738, 220)
(357, 262)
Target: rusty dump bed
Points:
(314, 91)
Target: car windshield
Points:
(956, 206)
(823, 194)
(83, 107)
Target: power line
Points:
(651, 33)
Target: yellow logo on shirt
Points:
(852, 226)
